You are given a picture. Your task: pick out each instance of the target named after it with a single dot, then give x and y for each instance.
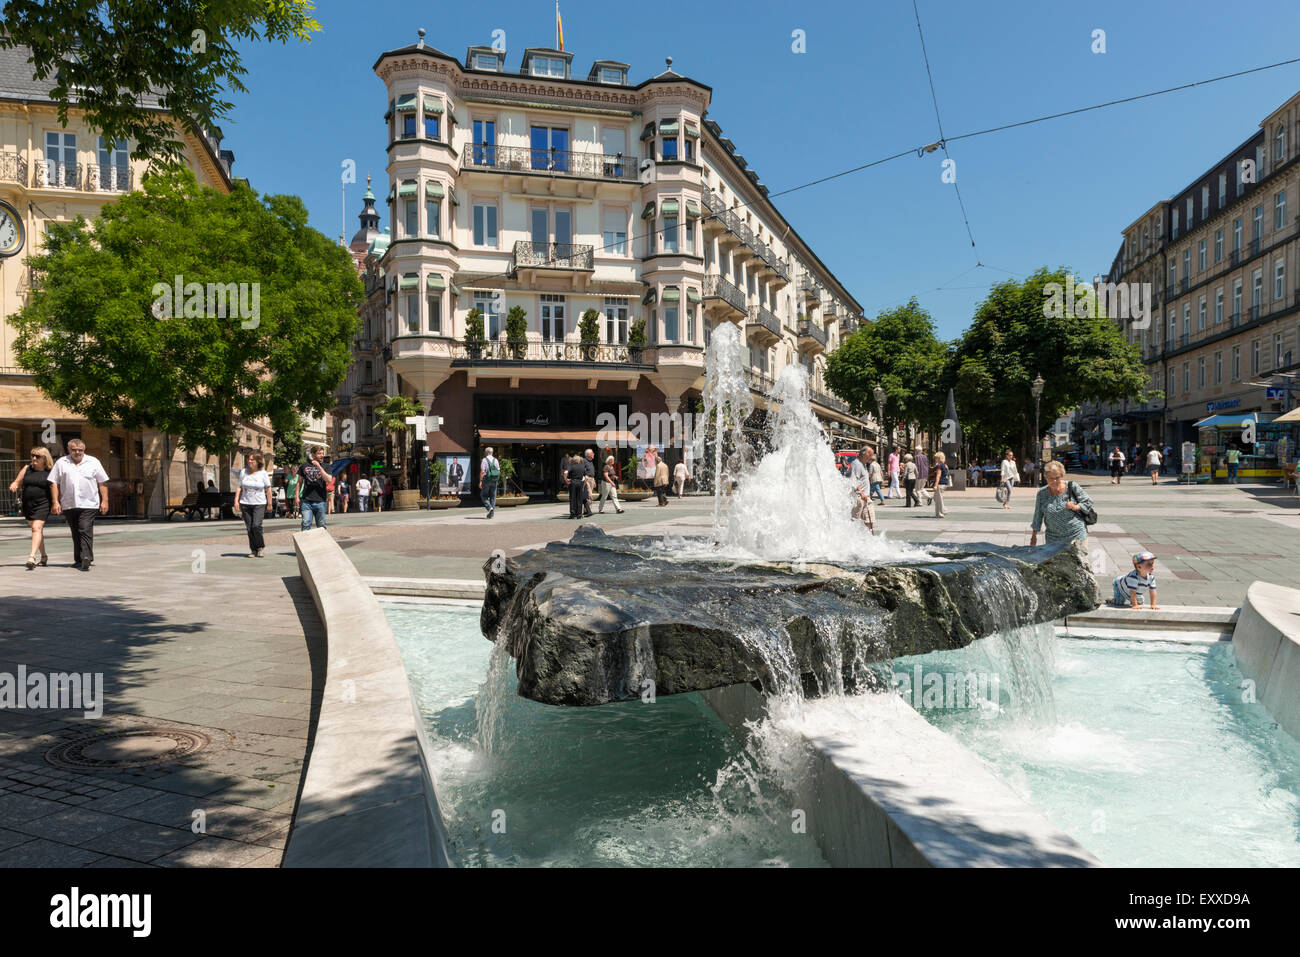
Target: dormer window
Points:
(486, 61)
(609, 74)
(548, 66)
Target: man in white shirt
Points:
(363, 493)
(489, 473)
(79, 487)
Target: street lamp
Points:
(1037, 390)
(880, 408)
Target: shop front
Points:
(1261, 446)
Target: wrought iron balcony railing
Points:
(760, 382)
(528, 254)
(532, 351)
(765, 318)
(810, 330)
(524, 159)
(109, 179)
(368, 388)
(365, 345)
(13, 168)
(829, 401)
(717, 287)
(710, 199)
(58, 175)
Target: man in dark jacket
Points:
(313, 489)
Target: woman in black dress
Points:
(33, 486)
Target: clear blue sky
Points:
(1056, 193)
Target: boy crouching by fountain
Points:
(860, 476)
(1130, 587)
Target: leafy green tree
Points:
(184, 309)
(288, 444)
(900, 353)
(109, 55)
(391, 414)
(1022, 331)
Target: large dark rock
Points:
(597, 619)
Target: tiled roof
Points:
(17, 82)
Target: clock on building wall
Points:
(12, 234)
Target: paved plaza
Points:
(198, 642)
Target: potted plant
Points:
(517, 332)
(391, 415)
(437, 469)
(509, 497)
(636, 341)
(474, 333)
(628, 492)
(589, 334)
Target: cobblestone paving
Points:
(188, 631)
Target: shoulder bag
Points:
(1089, 514)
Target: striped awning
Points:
(692, 294)
(668, 127)
(670, 207)
(406, 104)
(410, 280)
(692, 131)
(431, 105)
(436, 282)
(692, 209)
(408, 188)
(672, 294)
(434, 190)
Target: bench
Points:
(196, 504)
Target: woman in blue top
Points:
(1060, 506)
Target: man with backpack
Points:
(489, 474)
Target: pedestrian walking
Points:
(291, 491)
(1166, 459)
(1155, 464)
(390, 486)
(79, 489)
(681, 475)
(609, 485)
(345, 493)
(860, 476)
(1063, 507)
(489, 473)
(250, 502)
(1008, 479)
(894, 459)
(588, 481)
(875, 475)
(573, 483)
(278, 500)
(661, 482)
(922, 469)
(1233, 458)
(942, 480)
(36, 497)
(909, 481)
(1116, 465)
(313, 489)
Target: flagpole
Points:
(557, 24)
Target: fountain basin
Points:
(603, 619)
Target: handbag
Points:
(1089, 514)
(1003, 493)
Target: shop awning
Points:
(431, 105)
(591, 437)
(1227, 421)
(454, 200)
(455, 289)
(434, 190)
(1287, 418)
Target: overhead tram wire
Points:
(916, 150)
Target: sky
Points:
(1057, 193)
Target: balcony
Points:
(109, 179)
(618, 168)
(368, 388)
(544, 354)
(710, 200)
(812, 336)
(760, 382)
(718, 288)
(52, 175)
(829, 401)
(1234, 320)
(766, 322)
(365, 345)
(529, 257)
(1253, 315)
(13, 168)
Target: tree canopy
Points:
(105, 57)
(899, 352)
(1020, 332)
(182, 309)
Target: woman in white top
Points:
(251, 501)
(1154, 462)
(1010, 475)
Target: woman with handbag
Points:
(1063, 507)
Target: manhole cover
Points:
(140, 747)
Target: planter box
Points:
(633, 496)
(506, 501)
(444, 503)
(406, 499)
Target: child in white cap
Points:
(1129, 588)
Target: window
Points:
(1279, 145)
(688, 150)
(1187, 322)
(1279, 210)
(669, 151)
(412, 311)
(435, 313)
(1187, 377)
(1200, 315)
(431, 126)
(1205, 200)
(1173, 272)
(1218, 246)
(548, 66)
(1200, 257)
(486, 61)
(1223, 188)
(1254, 357)
(552, 318)
(689, 243)
(60, 159)
(1257, 222)
(1277, 350)
(1279, 280)
(1241, 168)
(690, 324)
(488, 302)
(1187, 263)
(1218, 305)
(1236, 235)
(1173, 383)
(616, 313)
(1200, 373)
(485, 224)
(410, 218)
(550, 147)
(609, 74)
(1259, 163)
(1257, 290)
(485, 142)
(1236, 363)
(114, 167)
(613, 141)
(1218, 368)
(1189, 212)
(670, 235)
(433, 217)
(1160, 227)
(1146, 238)
(408, 126)
(615, 232)
(1236, 299)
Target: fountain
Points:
(787, 592)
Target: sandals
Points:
(31, 563)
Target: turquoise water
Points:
(1147, 753)
(630, 785)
